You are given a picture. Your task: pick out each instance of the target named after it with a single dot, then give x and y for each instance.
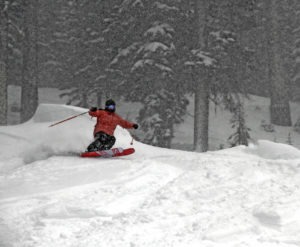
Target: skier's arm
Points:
(126, 124)
(94, 112)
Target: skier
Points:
(107, 121)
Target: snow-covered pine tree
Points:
(75, 61)
(241, 134)
(49, 52)
(106, 40)
(147, 62)
(85, 55)
(15, 42)
(11, 42)
(54, 42)
(138, 63)
(221, 47)
(158, 116)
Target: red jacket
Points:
(108, 121)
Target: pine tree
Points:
(49, 51)
(297, 126)
(289, 139)
(75, 63)
(158, 116)
(203, 79)
(4, 5)
(157, 55)
(29, 96)
(147, 62)
(224, 70)
(241, 135)
(85, 50)
(296, 47)
(279, 109)
(15, 42)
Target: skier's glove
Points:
(135, 126)
(93, 109)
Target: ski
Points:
(114, 152)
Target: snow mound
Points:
(274, 151)
(35, 140)
(242, 196)
(54, 112)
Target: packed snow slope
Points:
(50, 197)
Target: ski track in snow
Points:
(165, 201)
(238, 197)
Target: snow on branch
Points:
(51, 63)
(225, 37)
(163, 67)
(150, 62)
(160, 29)
(153, 47)
(124, 52)
(165, 7)
(100, 78)
(200, 58)
(141, 63)
(83, 70)
(296, 77)
(95, 41)
(132, 3)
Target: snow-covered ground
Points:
(243, 196)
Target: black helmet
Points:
(110, 105)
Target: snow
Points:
(160, 29)
(141, 63)
(96, 41)
(153, 47)
(165, 7)
(204, 58)
(49, 196)
(125, 52)
(278, 151)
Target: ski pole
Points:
(132, 138)
(68, 119)
(131, 143)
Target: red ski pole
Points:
(68, 119)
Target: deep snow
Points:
(243, 196)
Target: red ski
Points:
(114, 152)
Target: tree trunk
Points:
(201, 116)
(279, 92)
(202, 85)
(3, 93)
(3, 63)
(29, 96)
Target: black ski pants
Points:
(102, 141)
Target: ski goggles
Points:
(110, 107)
